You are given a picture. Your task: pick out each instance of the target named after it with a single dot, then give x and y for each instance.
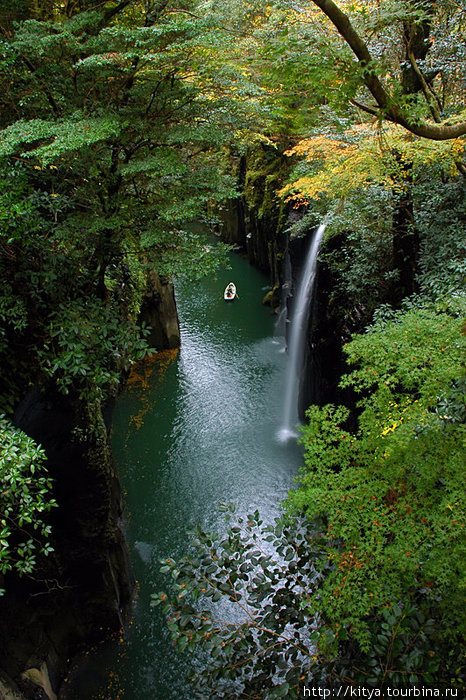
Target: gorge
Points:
(193, 429)
(140, 142)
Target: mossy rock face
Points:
(266, 170)
(272, 298)
(265, 214)
(256, 221)
(159, 313)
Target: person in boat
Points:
(230, 291)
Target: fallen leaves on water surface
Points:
(138, 380)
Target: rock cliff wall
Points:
(77, 595)
(158, 312)
(255, 222)
(259, 223)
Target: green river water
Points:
(192, 428)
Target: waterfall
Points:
(299, 324)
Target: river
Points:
(193, 428)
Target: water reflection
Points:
(197, 429)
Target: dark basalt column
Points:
(158, 312)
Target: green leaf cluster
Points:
(88, 348)
(242, 597)
(388, 496)
(64, 136)
(25, 500)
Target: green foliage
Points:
(24, 501)
(113, 121)
(389, 496)
(416, 353)
(110, 148)
(360, 241)
(89, 347)
(405, 651)
(69, 135)
(242, 598)
(361, 262)
(441, 219)
(310, 78)
(12, 312)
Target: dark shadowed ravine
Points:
(192, 428)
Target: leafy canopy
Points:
(114, 121)
(113, 117)
(363, 156)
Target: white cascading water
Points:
(299, 323)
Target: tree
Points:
(110, 118)
(241, 597)
(362, 156)
(113, 119)
(417, 20)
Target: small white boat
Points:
(230, 292)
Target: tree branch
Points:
(358, 47)
(391, 111)
(112, 11)
(365, 108)
(425, 88)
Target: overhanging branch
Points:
(365, 108)
(388, 109)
